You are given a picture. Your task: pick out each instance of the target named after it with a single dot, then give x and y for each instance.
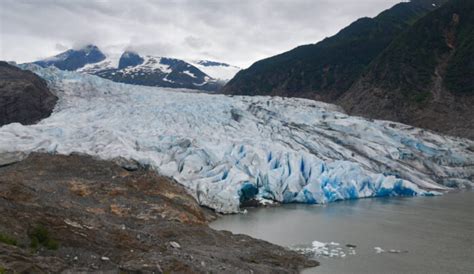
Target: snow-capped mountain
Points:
(73, 59)
(228, 150)
(132, 68)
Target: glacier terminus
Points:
(227, 150)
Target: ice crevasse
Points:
(229, 149)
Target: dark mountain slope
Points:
(130, 59)
(327, 69)
(74, 59)
(426, 76)
(24, 97)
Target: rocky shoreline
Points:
(63, 214)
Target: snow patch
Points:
(187, 72)
(221, 72)
(110, 62)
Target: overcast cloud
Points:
(238, 32)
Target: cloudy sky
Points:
(238, 32)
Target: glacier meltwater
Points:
(226, 150)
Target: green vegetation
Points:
(421, 97)
(397, 51)
(445, 35)
(460, 71)
(6, 239)
(39, 236)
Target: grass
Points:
(6, 239)
(421, 97)
(39, 236)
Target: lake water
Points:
(417, 235)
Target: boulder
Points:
(24, 96)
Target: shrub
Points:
(7, 239)
(40, 236)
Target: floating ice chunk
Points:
(265, 202)
(331, 250)
(379, 250)
(317, 244)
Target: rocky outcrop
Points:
(130, 59)
(24, 96)
(75, 213)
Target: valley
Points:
(340, 141)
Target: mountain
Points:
(413, 63)
(426, 76)
(131, 68)
(327, 69)
(74, 59)
(24, 97)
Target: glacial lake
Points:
(390, 235)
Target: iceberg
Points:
(229, 149)
(321, 249)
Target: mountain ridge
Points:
(133, 68)
(421, 72)
(425, 77)
(324, 70)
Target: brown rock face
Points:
(24, 96)
(75, 213)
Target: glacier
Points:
(227, 150)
